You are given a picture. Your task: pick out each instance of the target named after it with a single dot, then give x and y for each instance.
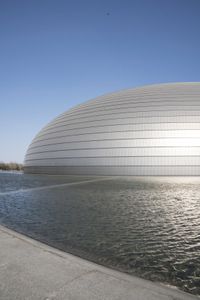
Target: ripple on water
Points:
(144, 226)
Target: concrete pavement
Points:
(30, 270)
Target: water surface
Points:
(146, 226)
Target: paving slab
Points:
(30, 270)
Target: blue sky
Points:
(55, 54)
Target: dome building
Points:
(150, 130)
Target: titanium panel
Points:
(152, 130)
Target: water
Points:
(148, 227)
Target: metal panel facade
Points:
(153, 130)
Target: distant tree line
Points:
(11, 166)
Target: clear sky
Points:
(57, 53)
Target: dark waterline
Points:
(148, 227)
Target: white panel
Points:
(121, 161)
(170, 151)
(54, 137)
(119, 128)
(117, 170)
(187, 117)
(153, 130)
(114, 109)
(124, 143)
(130, 114)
